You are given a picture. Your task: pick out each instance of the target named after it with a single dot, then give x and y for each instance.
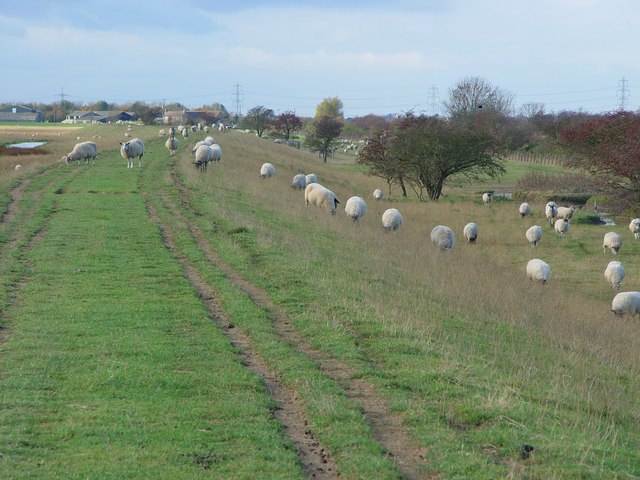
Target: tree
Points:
(259, 118)
(472, 94)
(287, 123)
(426, 152)
(146, 113)
(377, 155)
(330, 107)
(608, 147)
(323, 131)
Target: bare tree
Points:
(472, 94)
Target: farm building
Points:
(107, 116)
(17, 113)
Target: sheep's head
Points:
(66, 159)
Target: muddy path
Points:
(315, 459)
(387, 427)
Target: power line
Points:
(237, 97)
(623, 93)
(433, 100)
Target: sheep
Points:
(311, 178)
(172, 131)
(443, 237)
(194, 129)
(634, 226)
(534, 234)
(185, 132)
(17, 168)
(204, 155)
(561, 226)
(217, 152)
(82, 150)
(470, 232)
(538, 270)
(626, 302)
(172, 144)
(308, 189)
(377, 194)
(614, 273)
(324, 198)
(206, 129)
(131, 149)
(355, 208)
(299, 181)
(524, 210)
(612, 241)
(222, 127)
(209, 140)
(161, 133)
(391, 220)
(487, 198)
(198, 145)
(267, 170)
(566, 212)
(551, 211)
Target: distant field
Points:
(167, 323)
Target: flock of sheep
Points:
(441, 236)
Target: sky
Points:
(380, 57)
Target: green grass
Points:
(112, 368)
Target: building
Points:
(103, 116)
(17, 113)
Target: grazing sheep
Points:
(551, 211)
(534, 234)
(626, 302)
(185, 132)
(561, 226)
(17, 168)
(206, 129)
(299, 181)
(566, 212)
(311, 178)
(132, 149)
(487, 198)
(377, 194)
(355, 208)
(161, 133)
(391, 219)
(612, 241)
(198, 145)
(172, 144)
(209, 140)
(82, 150)
(524, 210)
(443, 237)
(172, 131)
(614, 273)
(267, 170)
(324, 198)
(634, 226)
(221, 127)
(217, 152)
(538, 270)
(308, 189)
(194, 129)
(470, 232)
(204, 155)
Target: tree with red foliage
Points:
(287, 123)
(608, 146)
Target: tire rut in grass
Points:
(315, 459)
(387, 427)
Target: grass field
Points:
(167, 323)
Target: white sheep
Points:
(538, 270)
(82, 151)
(322, 197)
(217, 152)
(311, 178)
(614, 273)
(132, 149)
(267, 170)
(443, 237)
(566, 212)
(172, 131)
(355, 208)
(299, 181)
(634, 227)
(551, 211)
(198, 145)
(308, 189)
(561, 226)
(222, 127)
(204, 155)
(172, 145)
(524, 210)
(209, 140)
(612, 241)
(470, 232)
(377, 194)
(161, 133)
(534, 234)
(392, 219)
(206, 129)
(626, 302)
(487, 198)
(185, 132)
(17, 168)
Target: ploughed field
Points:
(163, 322)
